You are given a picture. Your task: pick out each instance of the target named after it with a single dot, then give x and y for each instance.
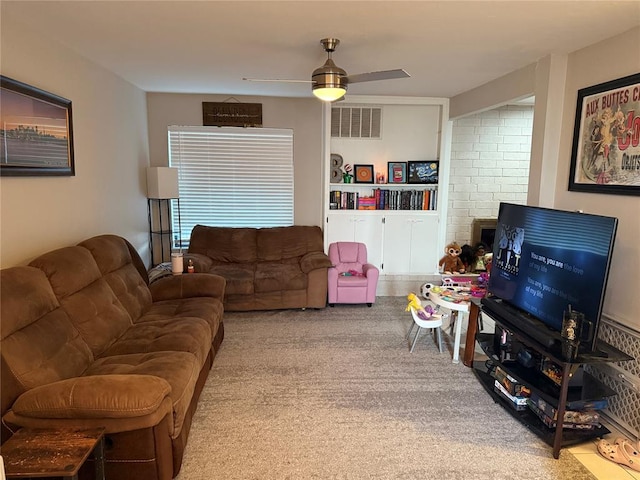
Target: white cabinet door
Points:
(410, 243)
(366, 228)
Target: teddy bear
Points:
(451, 262)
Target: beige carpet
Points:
(335, 394)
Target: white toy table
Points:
(456, 307)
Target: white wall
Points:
(303, 115)
(607, 60)
(107, 194)
(409, 132)
(490, 153)
(551, 151)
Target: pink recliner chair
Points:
(351, 279)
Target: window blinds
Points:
(232, 177)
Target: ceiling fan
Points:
(329, 82)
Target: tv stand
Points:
(575, 388)
(498, 309)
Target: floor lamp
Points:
(162, 187)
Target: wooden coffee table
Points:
(38, 453)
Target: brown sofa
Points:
(265, 268)
(87, 342)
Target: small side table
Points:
(38, 453)
(456, 308)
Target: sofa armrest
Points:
(94, 396)
(188, 285)
(313, 260)
(372, 273)
(201, 263)
(369, 269)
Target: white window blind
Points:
(232, 177)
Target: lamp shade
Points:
(162, 182)
(329, 82)
(329, 94)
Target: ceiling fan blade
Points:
(381, 75)
(275, 80)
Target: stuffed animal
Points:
(424, 290)
(467, 256)
(423, 313)
(488, 259)
(480, 251)
(451, 262)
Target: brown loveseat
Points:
(86, 342)
(265, 268)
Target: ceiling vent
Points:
(356, 122)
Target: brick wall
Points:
(490, 155)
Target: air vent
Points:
(356, 122)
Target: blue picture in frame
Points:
(425, 172)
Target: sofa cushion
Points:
(191, 335)
(98, 315)
(26, 297)
(68, 269)
(224, 244)
(275, 276)
(279, 243)
(85, 296)
(113, 258)
(352, 281)
(179, 369)
(240, 277)
(40, 345)
(208, 309)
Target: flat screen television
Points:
(545, 260)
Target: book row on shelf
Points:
(384, 199)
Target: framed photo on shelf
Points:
(363, 173)
(423, 172)
(36, 138)
(396, 172)
(605, 138)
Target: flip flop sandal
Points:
(635, 448)
(621, 453)
(629, 449)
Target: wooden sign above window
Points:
(223, 114)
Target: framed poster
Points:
(605, 157)
(423, 172)
(396, 172)
(36, 134)
(363, 173)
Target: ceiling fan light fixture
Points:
(329, 94)
(329, 82)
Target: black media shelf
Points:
(585, 388)
(530, 419)
(574, 389)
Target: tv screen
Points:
(545, 260)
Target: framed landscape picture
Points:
(396, 172)
(36, 135)
(423, 172)
(363, 173)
